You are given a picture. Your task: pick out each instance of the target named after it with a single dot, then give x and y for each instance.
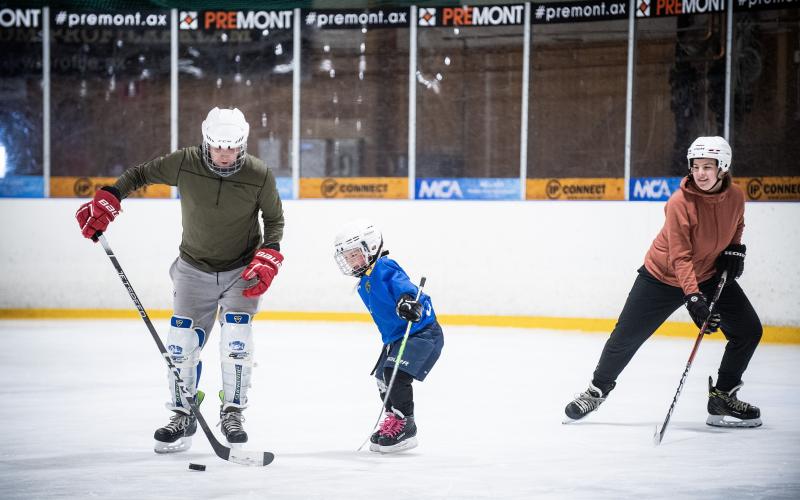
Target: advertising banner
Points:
(85, 187)
(770, 188)
(285, 189)
(438, 188)
(575, 12)
(22, 186)
(653, 188)
(611, 188)
(354, 187)
(467, 16)
(356, 18)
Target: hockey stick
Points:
(659, 435)
(239, 456)
(396, 365)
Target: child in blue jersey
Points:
(391, 299)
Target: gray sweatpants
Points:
(199, 296)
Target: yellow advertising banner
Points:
(354, 187)
(610, 188)
(85, 187)
(769, 188)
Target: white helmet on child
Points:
(359, 237)
(715, 148)
(227, 129)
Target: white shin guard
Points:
(184, 343)
(236, 353)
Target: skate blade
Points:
(236, 446)
(732, 422)
(374, 447)
(181, 444)
(401, 446)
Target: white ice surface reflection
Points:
(80, 401)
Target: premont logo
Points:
(484, 15)
(236, 20)
(188, 20)
(659, 8)
(20, 18)
(427, 16)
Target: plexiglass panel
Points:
(577, 100)
(469, 87)
(249, 69)
(110, 92)
(21, 103)
(354, 95)
(679, 90)
(766, 93)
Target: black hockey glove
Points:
(409, 309)
(697, 305)
(732, 260)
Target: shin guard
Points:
(236, 355)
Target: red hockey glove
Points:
(264, 266)
(97, 214)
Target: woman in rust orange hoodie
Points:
(701, 238)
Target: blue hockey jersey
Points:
(381, 288)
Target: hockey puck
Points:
(196, 466)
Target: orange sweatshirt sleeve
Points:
(680, 245)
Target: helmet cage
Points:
(360, 237)
(225, 129)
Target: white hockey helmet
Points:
(715, 148)
(357, 238)
(225, 128)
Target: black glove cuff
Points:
(114, 191)
(735, 250)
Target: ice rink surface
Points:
(81, 399)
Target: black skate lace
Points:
(738, 405)
(177, 422)
(232, 421)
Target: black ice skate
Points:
(397, 433)
(177, 434)
(230, 421)
(373, 439)
(585, 403)
(725, 409)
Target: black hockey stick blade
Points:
(239, 456)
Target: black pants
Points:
(650, 302)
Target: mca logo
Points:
(236, 345)
(443, 189)
(176, 350)
(427, 16)
(188, 20)
(651, 189)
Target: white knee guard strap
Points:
(184, 343)
(236, 353)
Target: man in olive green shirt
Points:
(225, 263)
